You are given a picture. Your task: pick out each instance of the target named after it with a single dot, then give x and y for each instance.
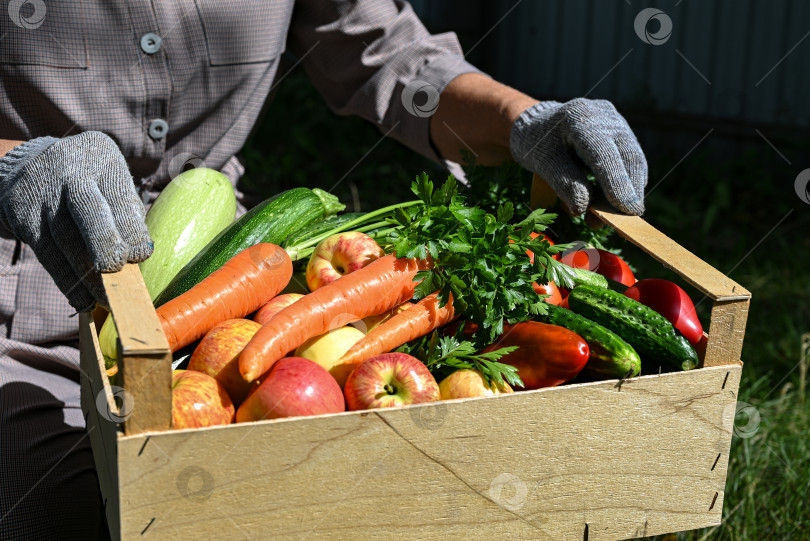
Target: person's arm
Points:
(371, 58)
(478, 112)
(561, 142)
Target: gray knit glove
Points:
(73, 201)
(562, 142)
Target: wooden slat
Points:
(691, 268)
(642, 458)
(143, 352)
(138, 327)
(102, 432)
(726, 332)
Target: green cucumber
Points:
(611, 357)
(271, 221)
(190, 211)
(584, 277)
(616, 286)
(650, 334)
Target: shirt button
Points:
(150, 43)
(158, 129)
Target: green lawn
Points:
(719, 209)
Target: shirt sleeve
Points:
(376, 60)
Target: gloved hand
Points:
(74, 202)
(562, 141)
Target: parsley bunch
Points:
(446, 354)
(480, 259)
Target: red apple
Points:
(198, 400)
(338, 255)
(274, 306)
(390, 380)
(295, 387)
(218, 355)
(468, 383)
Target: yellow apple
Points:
(467, 383)
(328, 348)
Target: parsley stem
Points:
(298, 251)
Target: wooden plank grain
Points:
(143, 352)
(691, 268)
(726, 332)
(645, 457)
(97, 404)
(139, 329)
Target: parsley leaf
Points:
(480, 259)
(446, 354)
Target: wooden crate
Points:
(606, 460)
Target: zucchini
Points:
(650, 334)
(611, 357)
(317, 229)
(190, 211)
(271, 221)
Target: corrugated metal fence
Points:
(742, 61)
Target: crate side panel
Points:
(97, 403)
(642, 458)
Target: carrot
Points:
(377, 287)
(244, 283)
(416, 321)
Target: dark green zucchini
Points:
(317, 229)
(273, 221)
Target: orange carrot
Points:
(248, 280)
(416, 321)
(377, 287)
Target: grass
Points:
(723, 210)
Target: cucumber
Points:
(611, 357)
(650, 334)
(584, 277)
(616, 286)
(190, 211)
(271, 221)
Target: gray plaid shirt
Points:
(168, 81)
(171, 80)
(189, 77)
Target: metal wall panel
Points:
(715, 64)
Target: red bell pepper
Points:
(672, 302)
(547, 355)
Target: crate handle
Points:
(144, 357)
(730, 301)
